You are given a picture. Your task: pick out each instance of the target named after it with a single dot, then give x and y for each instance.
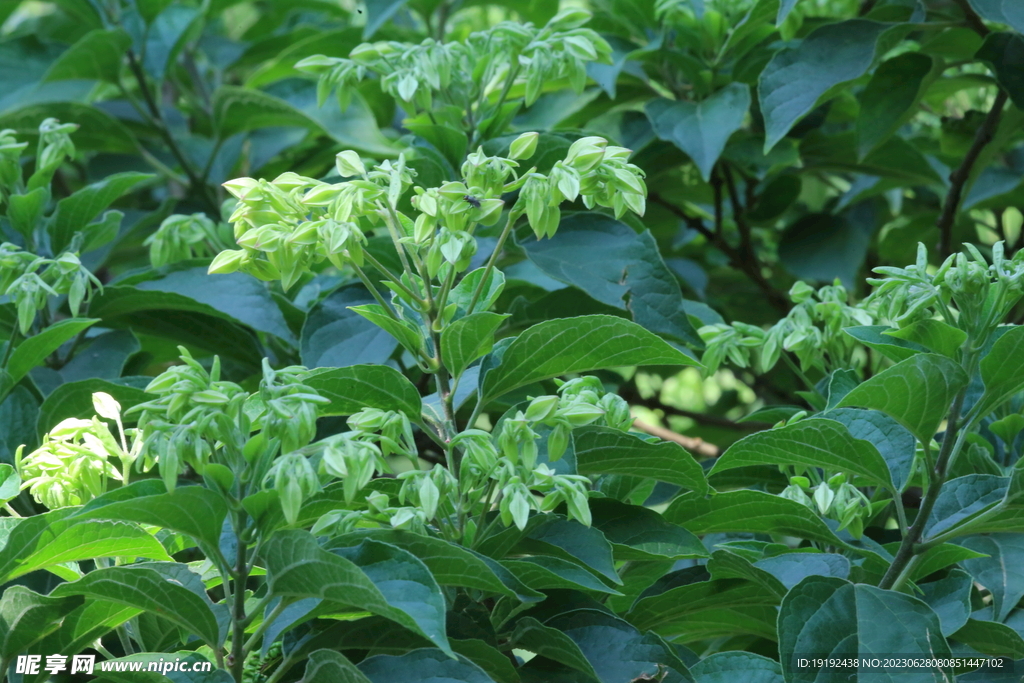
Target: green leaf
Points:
(614, 650)
(550, 643)
(18, 415)
(702, 128)
(572, 345)
(916, 392)
(422, 666)
(96, 56)
(835, 618)
(1002, 572)
(1001, 11)
(950, 599)
(195, 511)
(822, 247)
(147, 589)
(1005, 53)
(799, 78)
(729, 667)
(544, 572)
(1001, 369)
(25, 210)
(937, 558)
(45, 541)
(365, 386)
(74, 399)
(373, 576)
(237, 110)
(601, 450)
(327, 666)
(748, 512)
(991, 638)
(26, 617)
(936, 335)
(874, 337)
(638, 533)
(407, 334)
(89, 621)
(74, 212)
(377, 14)
(570, 540)
(450, 564)
(463, 292)
(469, 338)
(891, 97)
(725, 564)
(677, 603)
(615, 266)
(815, 442)
(336, 336)
(102, 357)
(38, 348)
(10, 483)
(792, 568)
(165, 36)
(895, 444)
(493, 663)
(964, 498)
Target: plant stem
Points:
(262, 628)
(906, 550)
(958, 179)
(12, 511)
(237, 662)
(392, 277)
(509, 224)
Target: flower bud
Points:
(524, 146)
(823, 498)
(542, 408)
(349, 164)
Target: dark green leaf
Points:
(191, 510)
(79, 209)
(891, 97)
(96, 56)
(991, 638)
(336, 336)
(165, 37)
(1001, 369)
(601, 450)
(1005, 53)
(37, 348)
(916, 392)
(964, 498)
(798, 78)
(571, 345)
(327, 666)
(1002, 572)
(467, 339)
(146, 589)
(936, 335)
(26, 617)
(353, 388)
(572, 541)
(891, 347)
(815, 442)
(896, 445)
(74, 399)
(540, 572)
(614, 265)
(950, 599)
(729, 667)
(829, 617)
(748, 511)
(638, 533)
(422, 666)
(374, 576)
(701, 129)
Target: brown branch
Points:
(693, 444)
(958, 179)
(973, 20)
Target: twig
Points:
(691, 443)
(958, 179)
(973, 20)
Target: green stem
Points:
(237, 662)
(267, 622)
(513, 216)
(282, 669)
(392, 277)
(12, 511)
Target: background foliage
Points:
(790, 149)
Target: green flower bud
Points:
(558, 441)
(542, 408)
(580, 414)
(823, 498)
(294, 480)
(524, 146)
(796, 493)
(349, 164)
(228, 261)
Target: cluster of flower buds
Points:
(30, 280)
(463, 72)
(10, 162)
(78, 458)
(813, 330)
(195, 410)
(55, 146)
(182, 237)
(594, 171)
(427, 489)
(983, 293)
(835, 498)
